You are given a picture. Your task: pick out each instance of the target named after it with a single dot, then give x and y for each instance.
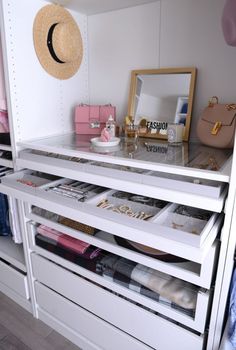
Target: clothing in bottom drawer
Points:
(198, 274)
(145, 326)
(160, 287)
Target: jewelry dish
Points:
(96, 141)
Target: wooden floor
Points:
(20, 331)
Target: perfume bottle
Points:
(131, 132)
(111, 126)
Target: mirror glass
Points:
(159, 97)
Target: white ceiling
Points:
(91, 7)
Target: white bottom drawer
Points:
(14, 280)
(92, 330)
(139, 323)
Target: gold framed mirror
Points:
(161, 96)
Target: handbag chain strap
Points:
(214, 100)
(231, 106)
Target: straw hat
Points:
(57, 41)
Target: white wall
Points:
(190, 34)
(120, 41)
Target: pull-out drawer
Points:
(125, 315)
(198, 274)
(13, 279)
(57, 278)
(184, 224)
(88, 331)
(205, 194)
(146, 232)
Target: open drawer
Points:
(95, 265)
(14, 280)
(204, 193)
(53, 307)
(97, 295)
(82, 327)
(183, 223)
(83, 208)
(198, 274)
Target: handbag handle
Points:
(212, 101)
(85, 104)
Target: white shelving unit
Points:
(202, 259)
(12, 253)
(91, 7)
(6, 162)
(71, 146)
(13, 270)
(5, 147)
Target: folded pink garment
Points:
(4, 121)
(66, 241)
(3, 103)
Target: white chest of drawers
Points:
(97, 313)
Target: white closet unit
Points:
(79, 301)
(13, 267)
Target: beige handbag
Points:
(216, 126)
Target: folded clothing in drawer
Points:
(127, 282)
(165, 289)
(173, 289)
(60, 239)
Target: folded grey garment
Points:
(126, 282)
(46, 214)
(180, 292)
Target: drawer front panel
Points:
(14, 280)
(93, 298)
(107, 336)
(205, 197)
(100, 333)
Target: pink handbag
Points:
(91, 120)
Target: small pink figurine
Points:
(105, 135)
